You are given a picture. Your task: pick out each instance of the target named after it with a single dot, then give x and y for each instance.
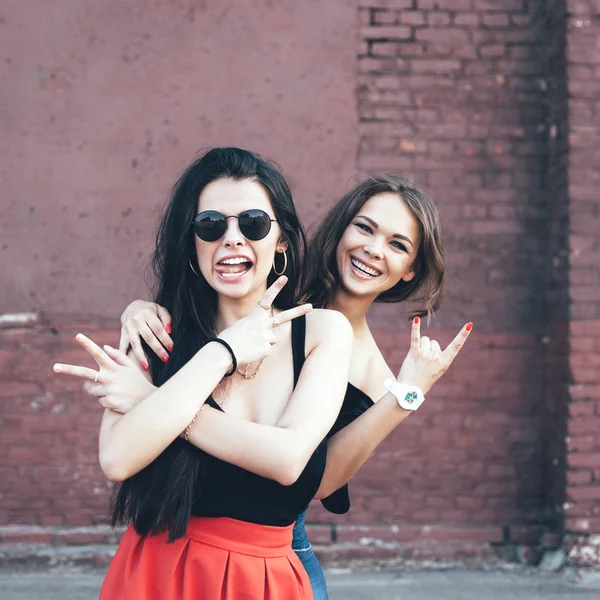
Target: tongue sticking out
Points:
(232, 269)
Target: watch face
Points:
(411, 397)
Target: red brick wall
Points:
(449, 92)
(583, 474)
(49, 473)
(468, 96)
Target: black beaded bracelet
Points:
(233, 358)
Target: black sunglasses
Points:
(211, 225)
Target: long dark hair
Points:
(322, 277)
(159, 498)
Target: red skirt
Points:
(218, 559)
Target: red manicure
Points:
(469, 326)
(145, 365)
(170, 347)
(168, 328)
(416, 320)
(164, 358)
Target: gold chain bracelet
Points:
(186, 432)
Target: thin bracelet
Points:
(233, 358)
(186, 432)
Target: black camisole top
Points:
(230, 491)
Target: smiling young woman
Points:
(213, 518)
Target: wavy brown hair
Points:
(428, 285)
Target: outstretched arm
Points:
(130, 442)
(349, 449)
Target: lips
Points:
(232, 268)
(363, 270)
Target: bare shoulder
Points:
(325, 326)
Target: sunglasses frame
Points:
(225, 217)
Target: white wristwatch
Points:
(409, 397)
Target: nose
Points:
(374, 248)
(233, 237)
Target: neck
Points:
(231, 310)
(354, 309)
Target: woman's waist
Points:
(244, 537)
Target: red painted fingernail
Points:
(170, 347)
(416, 320)
(164, 358)
(469, 326)
(168, 328)
(144, 365)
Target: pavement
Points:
(452, 584)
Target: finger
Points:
(82, 372)
(92, 389)
(435, 348)
(136, 346)
(165, 317)
(151, 340)
(415, 334)
(119, 357)
(124, 340)
(103, 402)
(103, 360)
(293, 313)
(425, 344)
(269, 296)
(106, 402)
(449, 354)
(158, 328)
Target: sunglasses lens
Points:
(210, 225)
(255, 224)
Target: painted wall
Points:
(104, 103)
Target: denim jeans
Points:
(303, 549)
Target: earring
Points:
(284, 263)
(192, 267)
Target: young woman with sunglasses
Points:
(382, 242)
(213, 518)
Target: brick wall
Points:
(583, 460)
(452, 92)
(49, 473)
(469, 97)
(556, 309)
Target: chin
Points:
(233, 291)
(356, 287)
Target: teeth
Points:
(234, 261)
(363, 267)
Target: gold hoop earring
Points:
(284, 264)
(192, 267)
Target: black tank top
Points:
(230, 491)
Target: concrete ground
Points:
(418, 585)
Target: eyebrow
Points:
(395, 235)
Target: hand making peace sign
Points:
(251, 338)
(119, 384)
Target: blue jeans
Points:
(303, 549)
